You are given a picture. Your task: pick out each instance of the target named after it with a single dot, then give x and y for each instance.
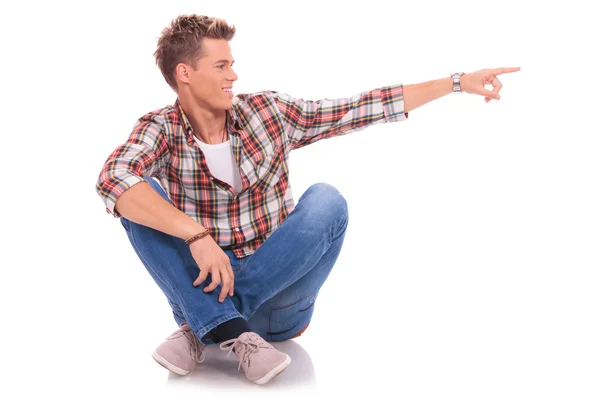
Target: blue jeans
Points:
(275, 287)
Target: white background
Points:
(471, 263)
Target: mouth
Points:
(228, 91)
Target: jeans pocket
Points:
(287, 321)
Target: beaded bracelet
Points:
(196, 237)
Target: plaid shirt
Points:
(263, 128)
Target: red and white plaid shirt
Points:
(263, 128)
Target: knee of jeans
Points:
(324, 198)
(287, 321)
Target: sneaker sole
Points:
(168, 365)
(274, 372)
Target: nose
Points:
(232, 76)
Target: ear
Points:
(182, 72)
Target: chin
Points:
(221, 106)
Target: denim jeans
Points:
(275, 287)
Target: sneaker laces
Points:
(246, 346)
(195, 346)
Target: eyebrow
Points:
(223, 61)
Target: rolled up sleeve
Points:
(307, 121)
(144, 153)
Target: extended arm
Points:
(307, 121)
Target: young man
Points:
(202, 190)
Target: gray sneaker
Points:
(180, 352)
(261, 361)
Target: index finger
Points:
(500, 71)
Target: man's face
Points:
(212, 80)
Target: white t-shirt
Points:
(221, 163)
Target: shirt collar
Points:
(185, 122)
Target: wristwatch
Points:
(456, 82)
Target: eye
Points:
(221, 66)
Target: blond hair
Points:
(181, 42)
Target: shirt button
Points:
(211, 178)
(237, 229)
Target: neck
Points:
(208, 125)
